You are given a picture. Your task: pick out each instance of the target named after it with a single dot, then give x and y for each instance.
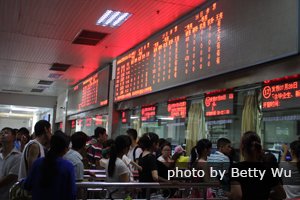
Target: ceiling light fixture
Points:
(113, 18)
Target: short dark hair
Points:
(132, 133)
(9, 129)
(23, 130)
(99, 130)
(222, 142)
(39, 127)
(78, 140)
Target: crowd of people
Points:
(49, 164)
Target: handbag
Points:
(17, 192)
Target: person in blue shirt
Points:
(52, 177)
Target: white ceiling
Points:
(34, 34)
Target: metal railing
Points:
(85, 186)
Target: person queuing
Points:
(52, 177)
(78, 141)
(248, 187)
(94, 147)
(9, 162)
(292, 185)
(116, 170)
(220, 160)
(34, 149)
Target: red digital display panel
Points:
(221, 104)
(124, 118)
(281, 96)
(148, 113)
(177, 109)
(89, 94)
(73, 124)
(98, 120)
(218, 38)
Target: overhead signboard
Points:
(219, 104)
(90, 93)
(281, 96)
(220, 37)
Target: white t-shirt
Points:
(138, 152)
(22, 169)
(120, 169)
(76, 159)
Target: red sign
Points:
(124, 119)
(221, 104)
(88, 121)
(148, 113)
(281, 96)
(60, 125)
(73, 124)
(177, 109)
(98, 120)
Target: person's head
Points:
(59, 143)
(132, 133)
(193, 156)
(100, 134)
(78, 140)
(149, 141)
(166, 149)
(118, 149)
(8, 136)
(42, 131)
(179, 150)
(203, 148)
(251, 147)
(224, 146)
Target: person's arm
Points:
(6, 180)
(137, 166)
(277, 192)
(155, 176)
(285, 151)
(33, 153)
(124, 177)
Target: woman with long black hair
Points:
(52, 177)
(117, 171)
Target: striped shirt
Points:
(94, 152)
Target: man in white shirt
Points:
(34, 149)
(220, 161)
(9, 162)
(78, 140)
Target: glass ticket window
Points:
(280, 127)
(225, 119)
(88, 124)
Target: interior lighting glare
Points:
(113, 18)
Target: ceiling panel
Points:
(34, 34)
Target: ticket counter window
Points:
(280, 127)
(88, 125)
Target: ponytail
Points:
(117, 149)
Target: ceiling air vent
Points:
(7, 90)
(59, 67)
(37, 90)
(54, 76)
(91, 38)
(44, 82)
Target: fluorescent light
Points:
(113, 18)
(134, 117)
(121, 19)
(104, 17)
(165, 118)
(23, 109)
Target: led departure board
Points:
(90, 93)
(221, 104)
(148, 113)
(281, 96)
(220, 37)
(177, 109)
